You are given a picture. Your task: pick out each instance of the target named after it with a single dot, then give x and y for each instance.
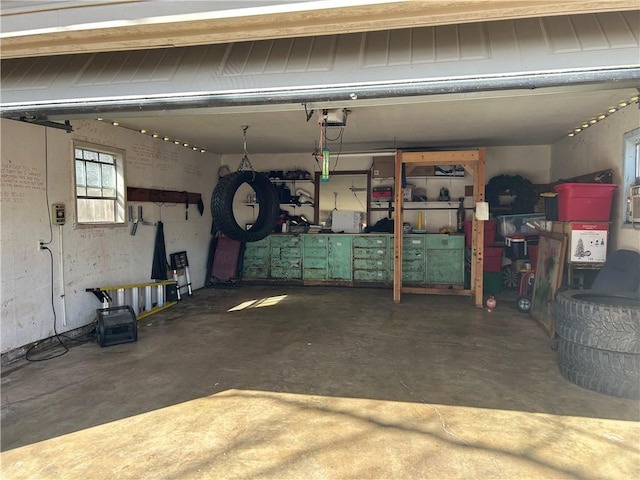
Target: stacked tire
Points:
(599, 347)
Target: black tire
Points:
(222, 206)
(524, 304)
(626, 365)
(598, 319)
(599, 380)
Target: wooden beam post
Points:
(397, 229)
(478, 232)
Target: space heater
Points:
(115, 325)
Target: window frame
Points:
(119, 200)
(630, 168)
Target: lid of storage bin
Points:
(516, 237)
(567, 186)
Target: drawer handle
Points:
(415, 242)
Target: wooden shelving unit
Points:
(473, 162)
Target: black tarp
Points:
(160, 265)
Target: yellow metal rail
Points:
(144, 298)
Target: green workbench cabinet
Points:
(340, 257)
(413, 259)
(444, 260)
(431, 259)
(371, 255)
(315, 250)
(255, 265)
(327, 257)
(285, 257)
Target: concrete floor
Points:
(315, 383)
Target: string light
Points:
(602, 116)
(144, 131)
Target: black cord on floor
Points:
(55, 328)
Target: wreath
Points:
(522, 189)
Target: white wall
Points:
(598, 148)
(531, 161)
(92, 256)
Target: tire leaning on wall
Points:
(600, 340)
(222, 206)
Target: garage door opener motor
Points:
(116, 325)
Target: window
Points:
(630, 167)
(99, 185)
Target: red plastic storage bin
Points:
(490, 228)
(493, 259)
(532, 250)
(584, 201)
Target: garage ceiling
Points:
(485, 119)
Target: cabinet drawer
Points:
(409, 243)
(370, 276)
(285, 240)
(445, 241)
(369, 241)
(315, 262)
(284, 272)
(361, 252)
(286, 253)
(410, 254)
(285, 263)
(261, 252)
(412, 277)
(369, 264)
(315, 252)
(413, 265)
(255, 262)
(315, 241)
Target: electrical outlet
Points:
(41, 244)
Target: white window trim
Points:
(121, 189)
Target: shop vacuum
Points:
(116, 325)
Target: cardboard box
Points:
(587, 241)
(347, 221)
(383, 167)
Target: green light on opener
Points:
(325, 165)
